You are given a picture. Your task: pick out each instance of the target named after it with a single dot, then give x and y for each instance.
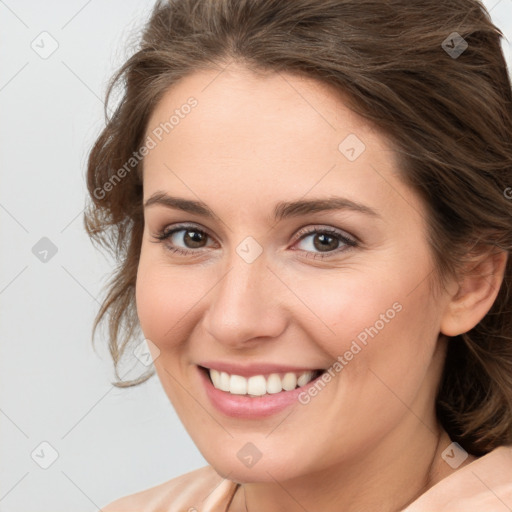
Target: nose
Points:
(246, 304)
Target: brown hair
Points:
(448, 115)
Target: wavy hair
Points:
(404, 66)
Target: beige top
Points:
(484, 485)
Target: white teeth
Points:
(274, 384)
(215, 375)
(304, 378)
(237, 385)
(289, 381)
(224, 381)
(258, 385)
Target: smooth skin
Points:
(369, 440)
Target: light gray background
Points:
(54, 387)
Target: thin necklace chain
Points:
(245, 500)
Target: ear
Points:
(476, 292)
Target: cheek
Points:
(371, 321)
(348, 306)
(341, 310)
(163, 297)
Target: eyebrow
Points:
(282, 209)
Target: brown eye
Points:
(193, 238)
(182, 239)
(327, 241)
(324, 242)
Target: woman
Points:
(310, 205)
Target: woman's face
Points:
(299, 249)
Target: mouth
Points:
(259, 385)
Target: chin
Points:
(269, 467)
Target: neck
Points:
(385, 479)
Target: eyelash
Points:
(350, 243)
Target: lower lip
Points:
(244, 406)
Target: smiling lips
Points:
(254, 391)
(259, 385)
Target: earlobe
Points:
(476, 293)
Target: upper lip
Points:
(249, 370)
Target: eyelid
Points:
(313, 228)
(186, 225)
(167, 231)
(307, 229)
(349, 240)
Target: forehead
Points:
(236, 109)
(261, 137)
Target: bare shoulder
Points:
(185, 492)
